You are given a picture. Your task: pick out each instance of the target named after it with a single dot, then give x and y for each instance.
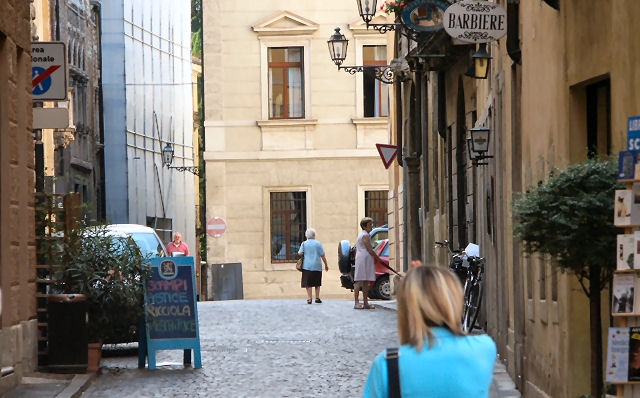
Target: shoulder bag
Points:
(393, 373)
(300, 260)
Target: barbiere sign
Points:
(474, 21)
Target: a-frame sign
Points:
(171, 311)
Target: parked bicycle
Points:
(470, 270)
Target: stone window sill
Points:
(287, 122)
(371, 121)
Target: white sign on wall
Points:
(49, 71)
(475, 21)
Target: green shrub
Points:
(111, 272)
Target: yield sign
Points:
(216, 227)
(387, 153)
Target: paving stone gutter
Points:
(50, 385)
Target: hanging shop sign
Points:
(475, 21)
(424, 16)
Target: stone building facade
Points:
(275, 167)
(18, 326)
(564, 80)
(78, 152)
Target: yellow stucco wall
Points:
(330, 153)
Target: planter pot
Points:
(95, 354)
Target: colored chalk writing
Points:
(171, 305)
(171, 311)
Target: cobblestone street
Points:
(263, 348)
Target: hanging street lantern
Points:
(167, 155)
(338, 47)
(338, 52)
(480, 67)
(478, 145)
(367, 9)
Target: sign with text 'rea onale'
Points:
(633, 134)
(475, 21)
(171, 311)
(49, 71)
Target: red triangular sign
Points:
(387, 153)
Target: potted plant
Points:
(110, 270)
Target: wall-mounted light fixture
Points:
(167, 159)
(480, 67)
(367, 10)
(338, 45)
(478, 145)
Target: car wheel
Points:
(382, 288)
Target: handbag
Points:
(300, 261)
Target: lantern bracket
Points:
(382, 73)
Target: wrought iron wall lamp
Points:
(338, 51)
(167, 159)
(478, 145)
(417, 18)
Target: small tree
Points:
(111, 271)
(570, 217)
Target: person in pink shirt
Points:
(177, 247)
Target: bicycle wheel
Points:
(472, 306)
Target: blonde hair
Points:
(428, 296)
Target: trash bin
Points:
(67, 332)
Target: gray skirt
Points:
(311, 278)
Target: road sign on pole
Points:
(387, 153)
(49, 71)
(216, 227)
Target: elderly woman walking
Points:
(311, 266)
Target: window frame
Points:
(362, 39)
(362, 189)
(286, 65)
(267, 42)
(281, 266)
(380, 84)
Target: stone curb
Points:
(79, 383)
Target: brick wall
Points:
(17, 178)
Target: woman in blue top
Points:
(311, 266)
(436, 359)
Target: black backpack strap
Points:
(393, 374)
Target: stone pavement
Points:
(502, 386)
(261, 348)
(50, 385)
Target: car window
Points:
(378, 237)
(385, 251)
(148, 243)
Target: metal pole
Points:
(405, 232)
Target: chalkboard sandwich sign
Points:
(171, 311)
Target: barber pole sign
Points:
(216, 227)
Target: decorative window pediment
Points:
(360, 27)
(286, 23)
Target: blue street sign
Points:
(44, 85)
(633, 134)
